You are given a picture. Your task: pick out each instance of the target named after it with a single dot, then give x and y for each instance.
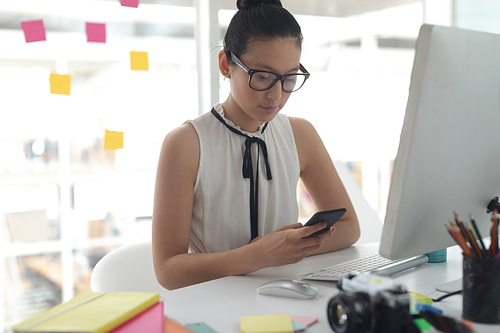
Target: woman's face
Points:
(249, 108)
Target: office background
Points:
(65, 201)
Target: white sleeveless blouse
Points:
(221, 207)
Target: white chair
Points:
(127, 268)
(371, 227)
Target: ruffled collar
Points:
(220, 110)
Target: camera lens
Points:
(340, 315)
(349, 312)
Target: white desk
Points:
(221, 303)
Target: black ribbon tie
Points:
(247, 171)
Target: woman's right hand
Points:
(288, 244)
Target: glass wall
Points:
(483, 15)
(66, 197)
(356, 97)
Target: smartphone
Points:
(328, 216)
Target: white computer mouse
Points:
(288, 288)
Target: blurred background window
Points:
(70, 192)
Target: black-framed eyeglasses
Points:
(264, 80)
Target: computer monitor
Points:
(449, 152)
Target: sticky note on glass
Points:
(96, 32)
(60, 84)
(34, 31)
(113, 140)
(130, 3)
(266, 324)
(139, 61)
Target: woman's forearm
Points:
(191, 268)
(286, 245)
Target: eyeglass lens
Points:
(264, 81)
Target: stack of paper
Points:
(266, 324)
(276, 323)
(151, 321)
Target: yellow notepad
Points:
(90, 312)
(266, 324)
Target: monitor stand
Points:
(450, 287)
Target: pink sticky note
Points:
(307, 321)
(130, 3)
(34, 31)
(96, 32)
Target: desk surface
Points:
(221, 303)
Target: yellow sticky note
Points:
(60, 84)
(113, 140)
(419, 298)
(266, 324)
(139, 61)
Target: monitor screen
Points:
(449, 153)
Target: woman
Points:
(226, 181)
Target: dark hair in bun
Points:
(242, 4)
(259, 20)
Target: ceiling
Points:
(329, 8)
(339, 8)
(151, 20)
(336, 8)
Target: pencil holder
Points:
(481, 289)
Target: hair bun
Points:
(242, 4)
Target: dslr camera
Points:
(370, 303)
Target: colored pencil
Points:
(473, 241)
(465, 233)
(460, 224)
(494, 235)
(478, 236)
(457, 236)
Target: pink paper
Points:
(150, 320)
(34, 31)
(96, 32)
(307, 321)
(130, 3)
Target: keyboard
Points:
(373, 263)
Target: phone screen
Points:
(328, 216)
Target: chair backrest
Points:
(127, 268)
(371, 227)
